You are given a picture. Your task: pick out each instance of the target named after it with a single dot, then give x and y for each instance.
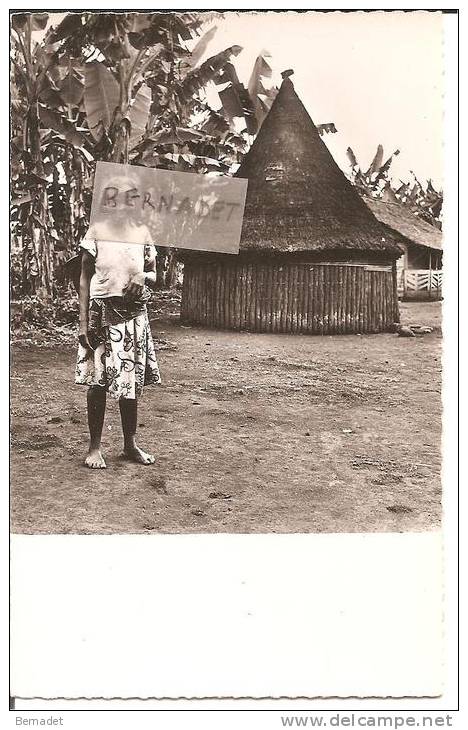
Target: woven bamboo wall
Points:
(289, 297)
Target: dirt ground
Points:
(252, 433)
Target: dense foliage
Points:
(122, 87)
(423, 200)
(131, 87)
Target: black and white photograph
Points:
(231, 242)
(291, 387)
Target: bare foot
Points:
(95, 460)
(134, 453)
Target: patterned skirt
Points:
(123, 362)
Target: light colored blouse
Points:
(116, 263)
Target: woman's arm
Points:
(147, 277)
(87, 270)
(150, 272)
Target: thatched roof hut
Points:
(419, 270)
(399, 220)
(313, 258)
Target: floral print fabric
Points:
(124, 362)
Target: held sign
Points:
(135, 204)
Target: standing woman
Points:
(116, 354)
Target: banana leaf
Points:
(70, 25)
(376, 162)
(101, 97)
(72, 89)
(327, 128)
(261, 94)
(53, 120)
(201, 46)
(138, 114)
(351, 157)
(38, 20)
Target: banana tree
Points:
(143, 87)
(424, 201)
(138, 78)
(51, 155)
(124, 87)
(107, 82)
(29, 68)
(375, 179)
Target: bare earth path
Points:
(253, 433)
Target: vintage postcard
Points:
(233, 291)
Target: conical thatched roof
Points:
(298, 199)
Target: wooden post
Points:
(430, 274)
(312, 306)
(395, 291)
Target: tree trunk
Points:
(161, 263)
(120, 149)
(172, 270)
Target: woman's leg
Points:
(129, 415)
(96, 410)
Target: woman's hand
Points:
(134, 288)
(83, 339)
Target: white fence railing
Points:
(415, 282)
